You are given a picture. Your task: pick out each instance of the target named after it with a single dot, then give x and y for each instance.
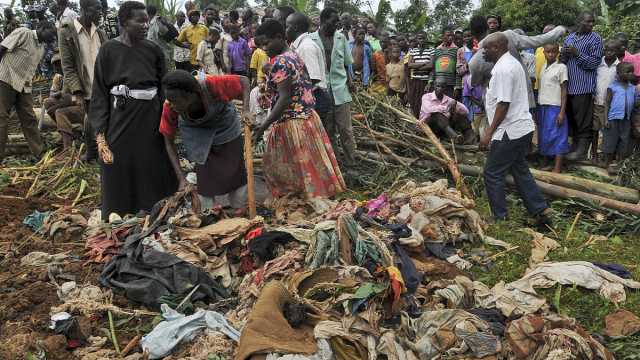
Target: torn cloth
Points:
(178, 328)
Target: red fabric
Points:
(222, 88)
(254, 233)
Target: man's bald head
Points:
(495, 45)
(297, 24)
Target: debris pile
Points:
(349, 279)
(58, 175)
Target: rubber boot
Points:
(580, 153)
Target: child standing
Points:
(209, 57)
(395, 74)
(606, 75)
(621, 96)
(553, 129)
(239, 52)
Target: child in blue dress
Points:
(553, 128)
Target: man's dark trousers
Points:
(510, 156)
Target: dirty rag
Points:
(36, 219)
(178, 327)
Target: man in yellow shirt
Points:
(258, 59)
(191, 36)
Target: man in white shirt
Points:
(509, 134)
(312, 56)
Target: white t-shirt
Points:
(509, 84)
(312, 57)
(551, 77)
(606, 75)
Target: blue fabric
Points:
(366, 66)
(36, 219)
(622, 102)
(412, 278)
(552, 139)
(505, 156)
(615, 269)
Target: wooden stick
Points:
(130, 345)
(248, 160)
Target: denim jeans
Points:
(504, 156)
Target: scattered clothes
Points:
(263, 246)
(443, 331)
(580, 273)
(105, 240)
(493, 317)
(324, 353)
(177, 328)
(36, 219)
(216, 235)
(145, 275)
(621, 323)
(412, 278)
(540, 246)
(400, 230)
(267, 330)
(324, 248)
(39, 258)
(440, 250)
(66, 224)
(378, 207)
(552, 337)
(616, 269)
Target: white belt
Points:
(142, 94)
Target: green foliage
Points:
(413, 18)
(383, 13)
(452, 13)
(531, 16)
(348, 6)
(620, 22)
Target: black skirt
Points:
(224, 170)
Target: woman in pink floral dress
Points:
(298, 158)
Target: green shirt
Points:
(375, 43)
(340, 60)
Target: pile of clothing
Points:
(342, 280)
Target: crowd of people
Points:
(131, 90)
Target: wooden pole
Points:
(248, 160)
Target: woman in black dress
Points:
(125, 112)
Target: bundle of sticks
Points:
(386, 133)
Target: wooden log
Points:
(450, 162)
(594, 187)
